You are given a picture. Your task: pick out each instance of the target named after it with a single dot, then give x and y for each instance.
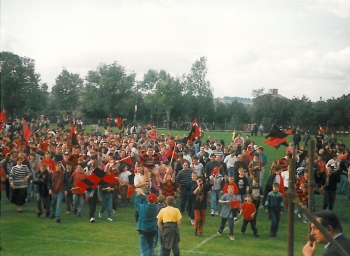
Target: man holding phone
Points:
(331, 223)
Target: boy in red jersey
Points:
(248, 209)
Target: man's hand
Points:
(309, 249)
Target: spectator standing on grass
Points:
(274, 208)
(200, 193)
(189, 186)
(69, 196)
(169, 218)
(264, 161)
(18, 178)
(58, 186)
(147, 221)
(257, 193)
(330, 188)
(249, 211)
(107, 199)
(227, 214)
(78, 194)
(218, 184)
(182, 178)
(42, 190)
(91, 194)
(124, 183)
(331, 222)
(230, 162)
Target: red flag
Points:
(289, 131)
(127, 160)
(276, 142)
(235, 204)
(216, 170)
(194, 130)
(3, 116)
(27, 133)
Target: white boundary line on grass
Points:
(216, 234)
(211, 237)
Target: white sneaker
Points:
(216, 212)
(231, 237)
(192, 222)
(235, 219)
(100, 215)
(92, 219)
(299, 215)
(109, 219)
(212, 212)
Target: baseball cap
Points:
(152, 198)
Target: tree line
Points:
(159, 98)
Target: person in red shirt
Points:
(230, 182)
(50, 163)
(248, 209)
(78, 194)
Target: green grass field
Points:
(25, 234)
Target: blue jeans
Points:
(147, 245)
(56, 204)
(215, 196)
(156, 240)
(230, 171)
(107, 201)
(343, 182)
(261, 177)
(78, 202)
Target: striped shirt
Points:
(183, 177)
(149, 161)
(17, 175)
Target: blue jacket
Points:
(147, 214)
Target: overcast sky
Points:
(299, 47)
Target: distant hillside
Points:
(228, 99)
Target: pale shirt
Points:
(230, 161)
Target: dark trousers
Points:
(329, 199)
(230, 225)
(69, 201)
(190, 210)
(275, 215)
(252, 225)
(183, 200)
(92, 204)
(166, 252)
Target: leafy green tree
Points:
(163, 91)
(197, 94)
(20, 89)
(108, 90)
(66, 90)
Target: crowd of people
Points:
(189, 175)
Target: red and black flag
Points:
(127, 160)
(27, 133)
(118, 121)
(194, 132)
(277, 137)
(171, 154)
(73, 135)
(97, 177)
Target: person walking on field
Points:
(169, 218)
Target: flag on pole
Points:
(194, 132)
(234, 204)
(73, 136)
(127, 160)
(277, 137)
(27, 133)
